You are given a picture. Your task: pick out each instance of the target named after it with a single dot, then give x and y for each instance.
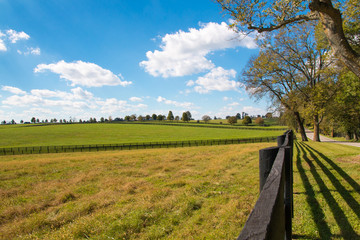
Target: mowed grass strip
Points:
(82, 134)
(187, 193)
(326, 191)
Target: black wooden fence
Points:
(130, 146)
(272, 215)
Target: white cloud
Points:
(35, 51)
(2, 45)
(175, 103)
(218, 79)
(75, 102)
(234, 104)
(184, 53)
(31, 50)
(83, 73)
(14, 36)
(79, 93)
(254, 110)
(22, 101)
(136, 99)
(13, 90)
(112, 105)
(190, 83)
(226, 98)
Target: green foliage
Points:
(232, 120)
(170, 116)
(189, 115)
(185, 117)
(247, 120)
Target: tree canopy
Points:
(340, 20)
(295, 72)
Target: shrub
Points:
(259, 121)
(232, 120)
(246, 120)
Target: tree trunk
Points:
(331, 20)
(301, 126)
(332, 132)
(356, 134)
(348, 135)
(316, 137)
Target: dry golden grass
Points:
(184, 193)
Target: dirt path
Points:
(310, 135)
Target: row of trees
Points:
(186, 116)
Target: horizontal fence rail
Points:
(271, 218)
(130, 146)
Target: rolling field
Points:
(184, 193)
(76, 134)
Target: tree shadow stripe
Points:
(353, 204)
(346, 229)
(316, 210)
(342, 173)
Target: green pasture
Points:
(183, 193)
(104, 133)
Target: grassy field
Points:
(77, 134)
(187, 193)
(327, 191)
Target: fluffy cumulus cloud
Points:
(136, 99)
(13, 90)
(76, 101)
(112, 105)
(47, 98)
(2, 45)
(218, 79)
(184, 53)
(83, 74)
(175, 103)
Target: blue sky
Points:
(87, 58)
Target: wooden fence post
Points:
(266, 160)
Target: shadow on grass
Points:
(347, 232)
(353, 204)
(316, 211)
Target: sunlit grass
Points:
(187, 193)
(327, 191)
(83, 134)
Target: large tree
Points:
(170, 116)
(185, 117)
(344, 112)
(295, 72)
(340, 21)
